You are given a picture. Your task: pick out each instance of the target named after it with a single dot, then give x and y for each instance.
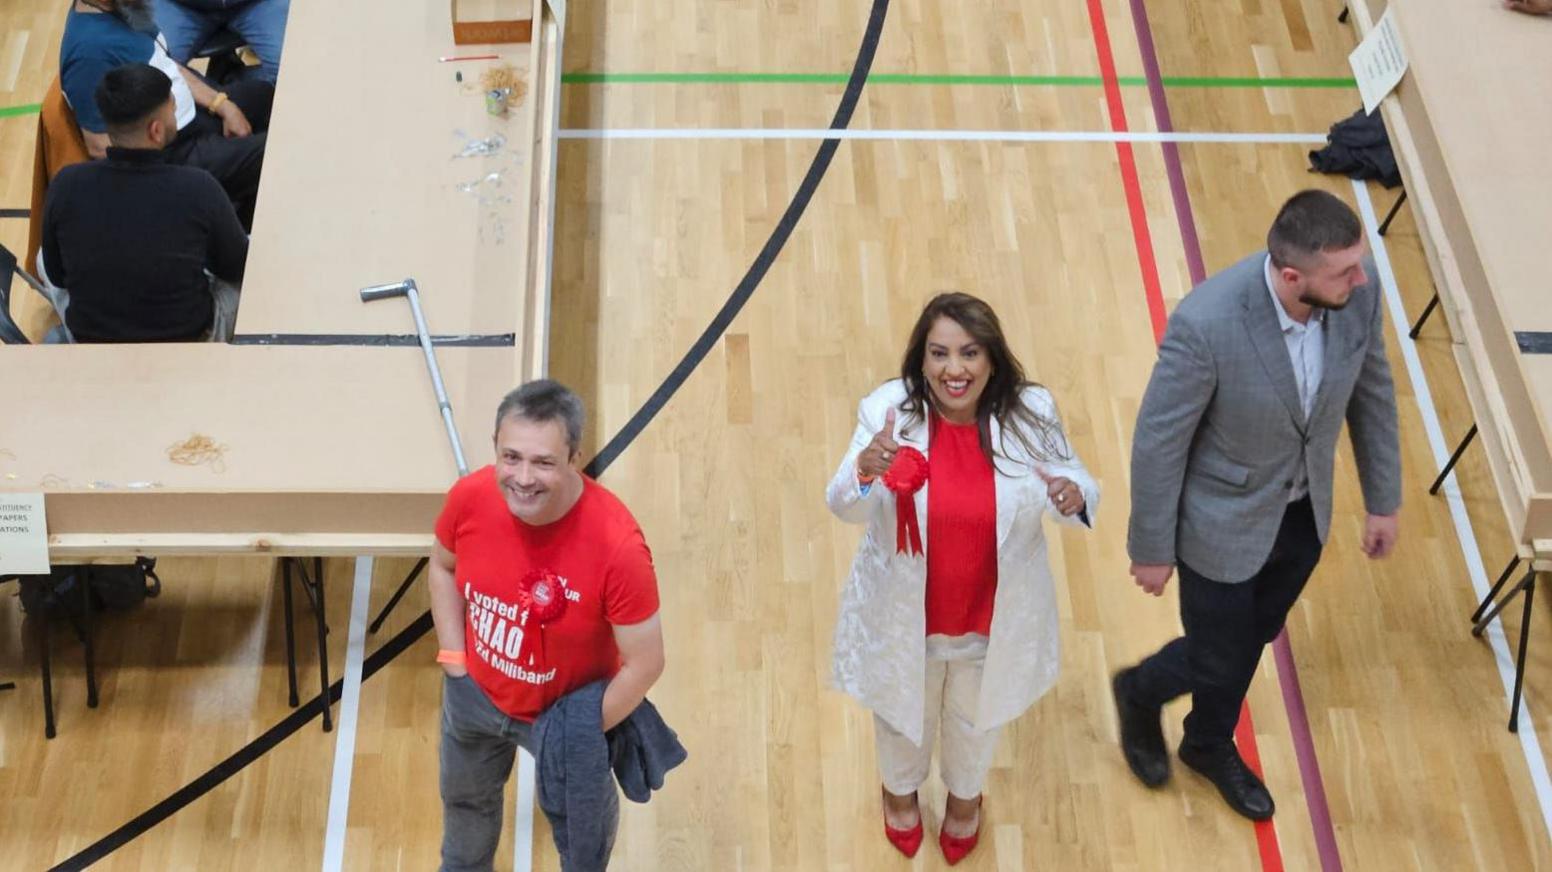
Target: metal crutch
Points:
(408, 288)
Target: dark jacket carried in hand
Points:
(578, 766)
(1359, 148)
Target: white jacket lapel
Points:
(1007, 487)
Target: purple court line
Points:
(1304, 749)
(1172, 165)
(1287, 671)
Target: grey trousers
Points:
(223, 323)
(227, 296)
(479, 745)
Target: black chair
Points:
(312, 586)
(221, 51)
(7, 685)
(81, 620)
(83, 628)
(10, 333)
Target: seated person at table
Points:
(218, 132)
(131, 237)
(189, 24)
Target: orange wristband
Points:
(453, 657)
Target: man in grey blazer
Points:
(1232, 474)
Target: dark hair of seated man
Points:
(136, 102)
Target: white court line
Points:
(940, 135)
(1452, 496)
(522, 826)
(345, 727)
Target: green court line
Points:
(590, 78)
(585, 78)
(1249, 82)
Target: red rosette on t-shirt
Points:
(543, 599)
(904, 478)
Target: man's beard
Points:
(137, 14)
(1316, 302)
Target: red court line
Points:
(1266, 832)
(1134, 204)
(1244, 733)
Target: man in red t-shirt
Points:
(541, 583)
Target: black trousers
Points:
(235, 163)
(1226, 628)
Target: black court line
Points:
(247, 754)
(381, 340)
(15, 213)
(411, 634)
(762, 262)
(1534, 342)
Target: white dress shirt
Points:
(1306, 351)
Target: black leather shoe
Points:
(1226, 769)
(1142, 739)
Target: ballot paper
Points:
(1379, 61)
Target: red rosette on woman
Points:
(543, 599)
(904, 478)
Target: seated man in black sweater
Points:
(131, 238)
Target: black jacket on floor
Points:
(1358, 148)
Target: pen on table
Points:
(446, 58)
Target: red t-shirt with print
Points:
(605, 571)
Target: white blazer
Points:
(881, 632)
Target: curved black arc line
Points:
(762, 262)
(245, 755)
(411, 634)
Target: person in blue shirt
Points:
(188, 24)
(221, 132)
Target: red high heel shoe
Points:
(907, 842)
(956, 847)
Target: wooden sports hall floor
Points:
(1405, 709)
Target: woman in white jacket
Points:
(948, 623)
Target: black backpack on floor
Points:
(111, 588)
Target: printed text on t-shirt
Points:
(498, 633)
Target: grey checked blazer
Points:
(1221, 433)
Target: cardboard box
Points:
(481, 22)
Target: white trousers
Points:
(965, 753)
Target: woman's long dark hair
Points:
(1040, 438)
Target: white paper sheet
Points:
(1379, 61)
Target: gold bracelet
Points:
(216, 103)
